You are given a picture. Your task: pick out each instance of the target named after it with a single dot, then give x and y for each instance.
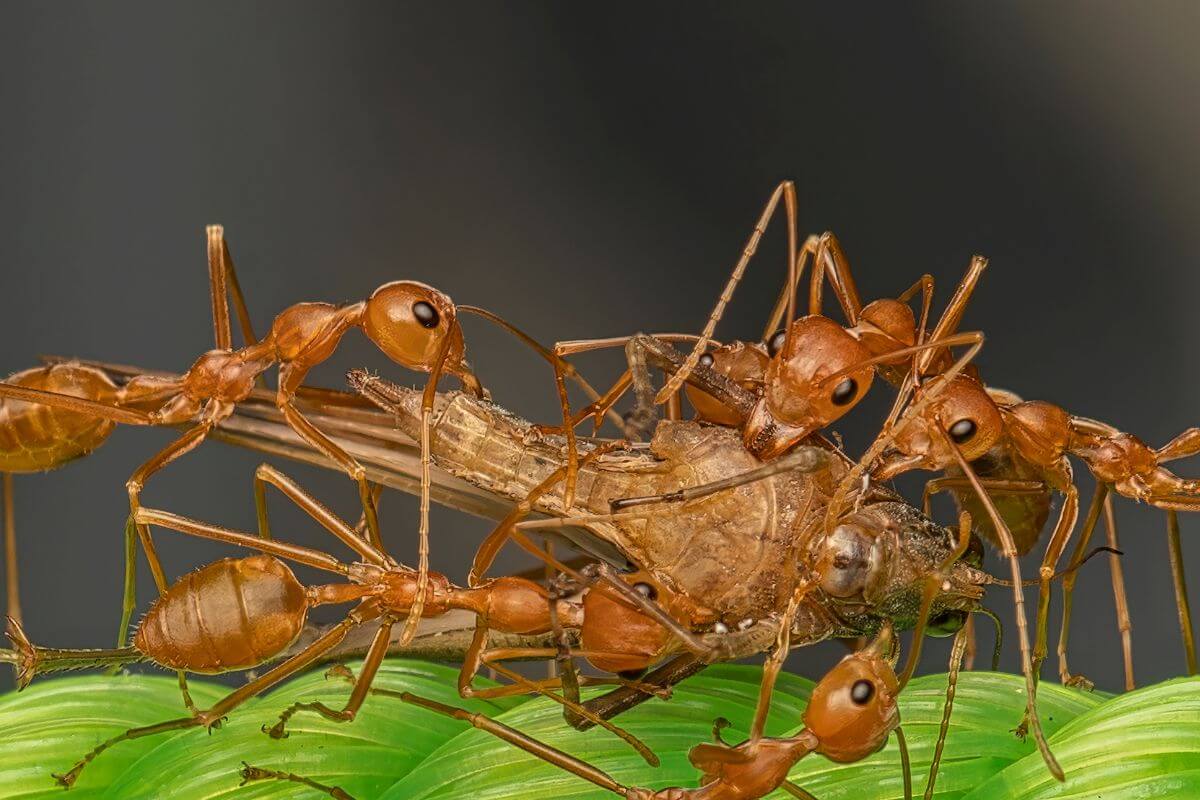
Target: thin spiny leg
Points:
(1175, 553)
(252, 773)
(1054, 549)
(957, 651)
(786, 190)
(774, 664)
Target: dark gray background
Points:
(591, 173)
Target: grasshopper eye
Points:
(963, 430)
(844, 392)
(946, 623)
(849, 562)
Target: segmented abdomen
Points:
(232, 614)
(34, 438)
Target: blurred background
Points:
(589, 172)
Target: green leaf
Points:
(52, 724)
(363, 757)
(1145, 744)
(477, 765)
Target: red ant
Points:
(415, 325)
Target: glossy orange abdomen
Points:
(232, 614)
(34, 438)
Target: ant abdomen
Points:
(190, 626)
(38, 437)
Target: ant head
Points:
(819, 374)
(412, 323)
(741, 362)
(967, 415)
(853, 709)
(886, 325)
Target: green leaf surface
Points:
(477, 765)
(363, 757)
(1145, 744)
(49, 726)
(1140, 745)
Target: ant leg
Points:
(126, 416)
(252, 773)
(10, 551)
(1181, 595)
(993, 485)
(1117, 573)
(293, 552)
(222, 335)
(829, 263)
(520, 740)
(211, 718)
(957, 651)
(948, 323)
(221, 271)
(184, 444)
(311, 434)
(1068, 586)
(268, 475)
(785, 190)
(362, 686)
(1067, 517)
(786, 302)
(1009, 550)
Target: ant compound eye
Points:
(775, 343)
(706, 360)
(946, 623)
(844, 392)
(862, 691)
(646, 590)
(426, 314)
(962, 430)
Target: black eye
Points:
(843, 393)
(946, 623)
(706, 360)
(962, 430)
(645, 590)
(775, 343)
(425, 314)
(862, 691)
